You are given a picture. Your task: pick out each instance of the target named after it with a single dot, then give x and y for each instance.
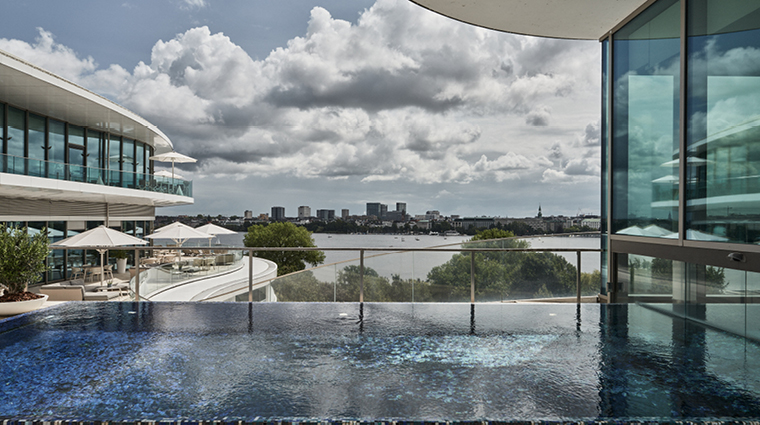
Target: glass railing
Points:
(79, 173)
(166, 268)
(486, 271)
(500, 270)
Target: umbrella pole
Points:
(101, 251)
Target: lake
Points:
(416, 265)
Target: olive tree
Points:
(22, 258)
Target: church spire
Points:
(539, 211)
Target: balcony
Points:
(35, 178)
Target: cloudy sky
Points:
(336, 103)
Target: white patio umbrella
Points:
(101, 238)
(164, 173)
(179, 233)
(172, 157)
(213, 229)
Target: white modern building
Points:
(72, 160)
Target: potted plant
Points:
(22, 262)
(121, 260)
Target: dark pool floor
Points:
(346, 361)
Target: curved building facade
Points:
(72, 160)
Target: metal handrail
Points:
(361, 250)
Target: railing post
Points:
(250, 275)
(472, 277)
(361, 276)
(578, 279)
(137, 274)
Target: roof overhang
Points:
(571, 19)
(27, 86)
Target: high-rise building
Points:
(401, 207)
(373, 209)
(248, 214)
(278, 213)
(344, 213)
(383, 210)
(304, 212)
(326, 215)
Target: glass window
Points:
(37, 146)
(94, 155)
(723, 121)
(2, 125)
(114, 161)
(56, 232)
(16, 136)
(76, 153)
(128, 163)
(646, 57)
(56, 149)
(140, 164)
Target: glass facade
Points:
(723, 121)
(645, 137)
(16, 141)
(684, 169)
(39, 146)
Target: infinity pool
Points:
(410, 362)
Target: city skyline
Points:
(305, 101)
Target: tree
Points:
(492, 233)
(22, 258)
(281, 235)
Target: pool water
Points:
(346, 361)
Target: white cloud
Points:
(49, 55)
(394, 97)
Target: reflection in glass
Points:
(56, 149)
(645, 122)
(94, 156)
(723, 107)
(76, 153)
(16, 130)
(128, 163)
(56, 232)
(114, 161)
(37, 146)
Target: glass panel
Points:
(645, 122)
(76, 153)
(114, 161)
(723, 107)
(37, 146)
(128, 163)
(2, 135)
(56, 149)
(16, 130)
(140, 165)
(34, 228)
(604, 141)
(56, 232)
(94, 156)
(649, 279)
